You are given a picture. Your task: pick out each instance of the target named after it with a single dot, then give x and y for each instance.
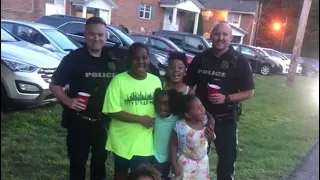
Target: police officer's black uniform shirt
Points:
(86, 73)
(231, 71)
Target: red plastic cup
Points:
(213, 89)
(84, 96)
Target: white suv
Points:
(26, 71)
(282, 59)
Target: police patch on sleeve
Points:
(224, 65)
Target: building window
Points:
(77, 11)
(58, 2)
(145, 11)
(234, 19)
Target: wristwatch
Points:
(227, 99)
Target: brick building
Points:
(241, 14)
(22, 9)
(144, 16)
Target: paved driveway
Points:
(309, 169)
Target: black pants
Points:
(83, 135)
(226, 145)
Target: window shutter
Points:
(138, 9)
(153, 12)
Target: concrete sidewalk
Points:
(309, 169)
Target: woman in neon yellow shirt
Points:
(129, 102)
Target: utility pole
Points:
(258, 18)
(298, 43)
(284, 32)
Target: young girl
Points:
(189, 139)
(129, 102)
(177, 66)
(163, 126)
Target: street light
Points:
(277, 26)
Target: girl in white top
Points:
(177, 66)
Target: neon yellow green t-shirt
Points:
(135, 97)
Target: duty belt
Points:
(219, 117)
(87, 118)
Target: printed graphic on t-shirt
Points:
(141, 98)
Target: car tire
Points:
(310, 73)
(6, 103)
(265, 69)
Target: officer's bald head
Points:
(221, 35)
(223, 24)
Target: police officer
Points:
(224, 67)
(88, 69)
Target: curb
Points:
(303, 159)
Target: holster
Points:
(231, 116)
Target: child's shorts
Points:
(163, 168)
(122, 165)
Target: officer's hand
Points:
(146, 121)
(77, 104)
(209, 133)
(217, 98)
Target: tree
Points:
(277, 11)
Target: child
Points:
(189, 139)
(163, 126)
(177, 66)
(129, 102)
(144, 172)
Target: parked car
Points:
(42, 35)
(75, 26)
(189, 42)
(209, 41)
(282, 59)
(259, 60)
(160, 43)
(310, 66)
(26, 71)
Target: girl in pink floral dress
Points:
(189, 140)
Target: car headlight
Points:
(161, 59)
(18, 66)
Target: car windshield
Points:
(63, 41)
(262, 52)
(7, 37)
(279, 55)
(126, 37)
(175, 46)
(206, 42)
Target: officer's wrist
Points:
(227, 98)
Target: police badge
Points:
(224, 65)
(112, 66)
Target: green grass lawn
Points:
(278, 126)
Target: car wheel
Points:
(265, 69)
(310, 73)
(6, 103)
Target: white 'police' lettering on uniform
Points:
(212, 73)
(99, 75)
